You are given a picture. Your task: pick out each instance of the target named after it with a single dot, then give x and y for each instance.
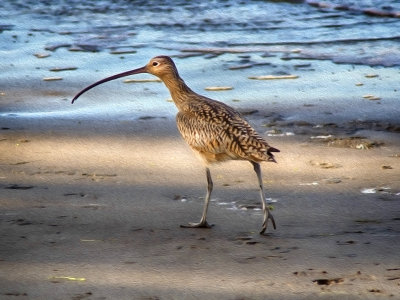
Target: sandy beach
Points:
(91, 210)
(92, 195)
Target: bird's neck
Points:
(180, 92)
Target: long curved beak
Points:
(132, 72)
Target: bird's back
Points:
(218, 132)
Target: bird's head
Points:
(159, 66)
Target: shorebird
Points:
(215, 131)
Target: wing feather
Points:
(218, 132)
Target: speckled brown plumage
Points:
(211, 128)
(219, 133)
(214, 130)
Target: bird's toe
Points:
(198, 225)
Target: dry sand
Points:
(90, 209)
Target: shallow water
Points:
(332, 48)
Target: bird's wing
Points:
(214, 127)
(201, 135)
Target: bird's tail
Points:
(271, 157)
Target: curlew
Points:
(215, 131)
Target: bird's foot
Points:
(202, 224)
(265, 223)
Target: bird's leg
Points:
(266, 211)
(203, 222)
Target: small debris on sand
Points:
(55, 78)
(42, 55)
(141, 80)
(60, 69)
(218, 88)
(273, 77)
(353, 142)
(371, 97)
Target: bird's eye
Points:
(155, 64)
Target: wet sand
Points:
(90, 209)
